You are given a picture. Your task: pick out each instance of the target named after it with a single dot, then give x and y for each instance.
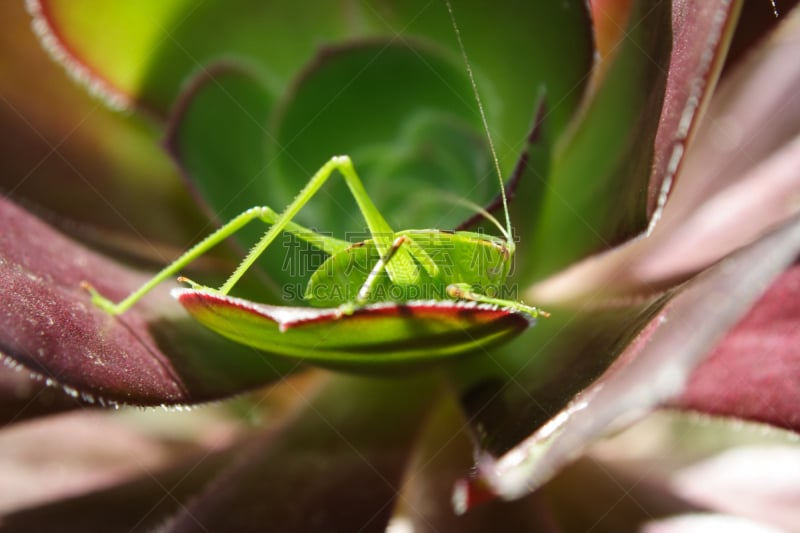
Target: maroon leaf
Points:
(754, 373)
(652, 370)
(739, 171)
(701, 32)
(151, 355)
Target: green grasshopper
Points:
(403, 267)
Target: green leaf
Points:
(357, 100)
(378, 337)
(515, 49)
(78, 35)
(217, 136)
(148, 48)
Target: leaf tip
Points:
(53, 43)
(469, 492)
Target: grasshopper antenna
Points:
(483, 119)
(463, 202)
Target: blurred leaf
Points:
(624, 134)
(357, 100)
(702, 522)
(164, 53)
(753, 373)
(591, 495)
(151, 47)
(441, 454)
(609, 18)
(609, 147)
(150, 61)
(739, 179)
(72, 30)
(760, 21)
(89, 170)
(90, 473)
(510, 392)
(713, 464)
(217, 137)
(761, 483)
(350, 444)
(23, 396)
(505, 43)
(650, 371)
(151, 355)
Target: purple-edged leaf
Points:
(376, 336)
(751, 125)
(650, 371)
(151, 355)
(632, 131)
(754, 373)
(337, 465)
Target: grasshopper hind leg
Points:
(463, 291)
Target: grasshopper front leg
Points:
(176, 266)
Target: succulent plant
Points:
(652, 153)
